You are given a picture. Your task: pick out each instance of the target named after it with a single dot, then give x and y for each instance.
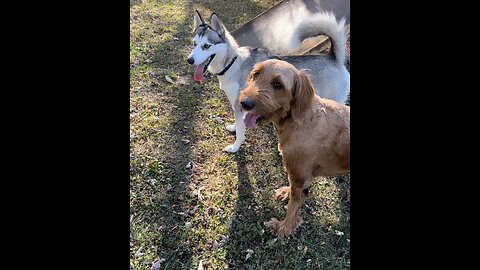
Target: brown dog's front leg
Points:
(286, 227)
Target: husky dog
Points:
(218, 52)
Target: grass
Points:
(189, 201)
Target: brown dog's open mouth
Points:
(251, 120)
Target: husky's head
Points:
(210, 43)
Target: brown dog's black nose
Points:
(247, 104)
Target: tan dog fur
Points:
(313, 133)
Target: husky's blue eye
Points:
(206, 46)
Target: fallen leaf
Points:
(215, 245)
(196, 192)
(249, 254)
(271, 242)
(138, 253)
(191, 210)
(218, 120)
(224, 240)
(169, 79)
(183, 214)
(157, 263)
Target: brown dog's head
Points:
(274, 90)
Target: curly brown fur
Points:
(313, 133)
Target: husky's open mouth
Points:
(202, 68)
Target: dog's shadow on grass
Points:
(253, 205)
(244, 207)
(244, 217)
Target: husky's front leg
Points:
(233, 128)
(239, 127)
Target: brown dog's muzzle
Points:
(247, 104)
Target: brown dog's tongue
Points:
(198, 75)
(250, 120)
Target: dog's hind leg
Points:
(239, 127)
(282, 193)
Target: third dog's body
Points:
(217, 51)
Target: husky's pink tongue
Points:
(250, 120)
(198, 75)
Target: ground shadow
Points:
(243, 215)
(167, 179)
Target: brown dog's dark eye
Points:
(253, 76)
(277, 85)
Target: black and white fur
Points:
(215, 49)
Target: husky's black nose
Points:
(190, 60)
(247, 104)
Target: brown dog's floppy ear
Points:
(303, 94)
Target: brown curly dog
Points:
(313, 133)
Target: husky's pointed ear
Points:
(303, 94)
(197, 20)
(217, 25)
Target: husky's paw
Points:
(231, 149)
(231, 128)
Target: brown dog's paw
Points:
(280, 228)
(282, 193)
